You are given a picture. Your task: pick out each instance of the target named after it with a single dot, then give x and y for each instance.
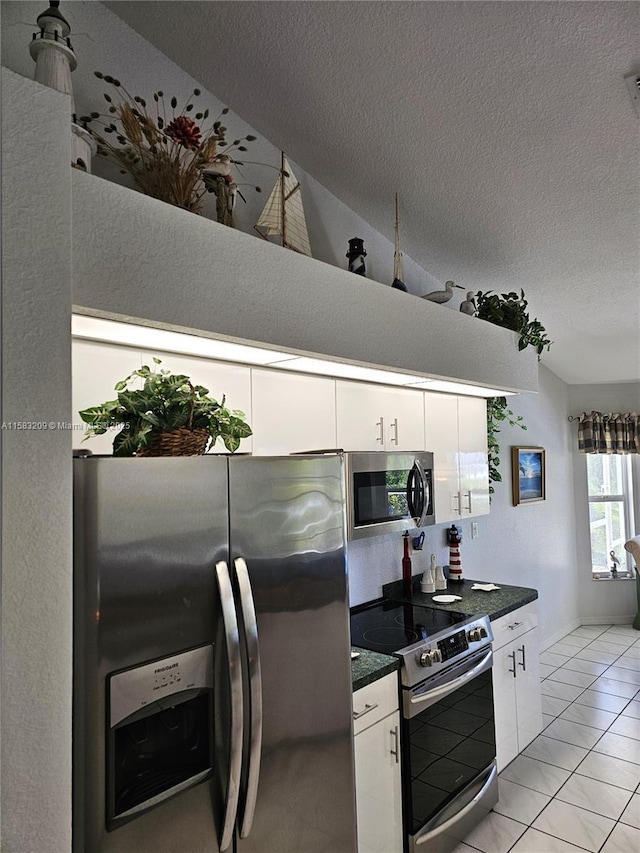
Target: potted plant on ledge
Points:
(168, 416)
(509, 311)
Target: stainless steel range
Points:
(450, 778)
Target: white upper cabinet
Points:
(95, 370)
(223, 379)
(97, 367)
(474, 462)
(378, 417)
(292, 412)
(456, 434)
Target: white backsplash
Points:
(378, 560)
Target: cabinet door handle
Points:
(513, 658)
(524, 661)
(458, 498)
(468, 507)
(515, 625)
(394, 744)
(394, 426)
(365, 710)
(380, 423)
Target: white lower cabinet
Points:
(516, 682)
(377, 761)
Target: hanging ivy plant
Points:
(497, 413)
(510, 311)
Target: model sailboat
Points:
(283, 214)
(398, 275)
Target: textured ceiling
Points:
(505, 127)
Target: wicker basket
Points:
(177, 442)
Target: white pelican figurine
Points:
(442, 295)
(468, 305)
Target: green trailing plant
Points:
(497, 413)
(510, 311)
(165, 402)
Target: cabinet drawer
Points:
(512, 625)
(374, 702)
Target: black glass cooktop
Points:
(388, 626)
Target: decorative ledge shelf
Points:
(140, 260)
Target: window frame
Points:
(630, 499)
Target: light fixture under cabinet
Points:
(84, 327)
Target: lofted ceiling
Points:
(506, 128)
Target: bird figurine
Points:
(468, 305)
(442, 295)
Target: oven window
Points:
(446, 747)
(380, 496)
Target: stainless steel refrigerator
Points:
(212, 680)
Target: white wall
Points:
(36, 469)
(102, 42)
(530, 545)
(599, 601)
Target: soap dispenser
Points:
(427, 584)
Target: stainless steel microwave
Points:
(388, 492)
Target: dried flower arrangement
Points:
(169, 155)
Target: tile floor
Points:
(576, 787)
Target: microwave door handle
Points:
(232, 642)
(247, 809)
(411, 478)
(424, 490)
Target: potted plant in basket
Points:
(168, 416)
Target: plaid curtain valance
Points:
(609, 433)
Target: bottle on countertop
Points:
(427, 584)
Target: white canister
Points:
(439, 579)
(427, 584)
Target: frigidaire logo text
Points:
(165, 668)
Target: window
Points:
(611, 513)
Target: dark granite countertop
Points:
(496, 603)
(371, 666)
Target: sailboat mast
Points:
(282, 207)
(397, 264)
(397, 256)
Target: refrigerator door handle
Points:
(255, 695)
(232, 638)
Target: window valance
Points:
(609, 433)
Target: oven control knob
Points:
(430, 657)
(477, 634)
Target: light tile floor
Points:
(576, 787)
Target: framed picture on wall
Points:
(528, 472)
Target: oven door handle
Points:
(429, 832)
(429, 697)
